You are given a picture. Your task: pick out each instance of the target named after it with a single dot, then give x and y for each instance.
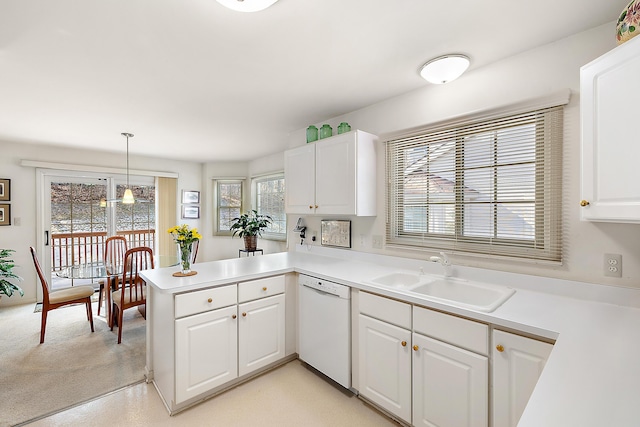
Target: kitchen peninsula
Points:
(590, 378)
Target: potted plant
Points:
(6, 267)
(250, 225)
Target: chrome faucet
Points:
(444, 260)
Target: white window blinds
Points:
(491, 186)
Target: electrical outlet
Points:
(613, 265)
(376, 242)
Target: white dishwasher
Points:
(325, 327)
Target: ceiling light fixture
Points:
(247, 5)
(127, 199)
(444, 69)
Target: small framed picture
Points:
(335, 233)
(5, 190)
(190, 197)
(5, 214)
(190, 212)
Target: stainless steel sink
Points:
(474, 295)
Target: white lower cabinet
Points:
(450, 385)
(261, 332)
(425, 367)
(220, 334)
(517, 364)
(206, 352)
(385, 365)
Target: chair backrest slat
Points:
(135, 260)
(43, 280)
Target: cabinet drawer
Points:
(260, 288)
(460, 332)
(205, 300)
(385, 309)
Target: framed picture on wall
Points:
(5, 190)
(190, 197)
(190, 212)
(5, 214)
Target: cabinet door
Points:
(261, 333)
(610, 140)
(450, 385)
(299, 174)
(206, 352)
(385, 366)
(336, 175)
(517, 364)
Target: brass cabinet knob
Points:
(264, 288)
(500, 348)
(310, 206)
(244, 314)
(210, 300)
(415, 348)
(233, 316)
(404, 343)
(584, 203)
(316, 206)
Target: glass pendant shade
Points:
(128, 199)
(247, 5)
(444, 68)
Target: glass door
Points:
(78, 211)
(78, 226)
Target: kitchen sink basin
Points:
(400, 280)
(474, 295)
(477, 296)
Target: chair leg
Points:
(114, 313)
(90, 313)
(101, 292)
(43, 324)
(120, 322)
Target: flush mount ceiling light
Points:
(247, 5)
(444, 69)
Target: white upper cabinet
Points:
(333, 176)
(609, 87)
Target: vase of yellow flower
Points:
(184, 237)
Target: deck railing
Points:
(69, 249)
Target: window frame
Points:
(546, 244)
(216, 200)
(268, 235)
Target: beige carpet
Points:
(72, 366)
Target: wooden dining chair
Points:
(114, 249)
(55, 299)
(131, 288)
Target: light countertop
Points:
(592, 377)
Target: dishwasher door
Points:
(325, 330)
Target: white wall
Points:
(23, 196)
(533, 74)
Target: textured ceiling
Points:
(196, 81)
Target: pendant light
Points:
(247, 5)
(444, 69)
(127, 199)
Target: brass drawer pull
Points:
(233, 316)
(500, 348)
(404, 343)
(415, 348)
(264, 288)
(210, 300)
(584, 203)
